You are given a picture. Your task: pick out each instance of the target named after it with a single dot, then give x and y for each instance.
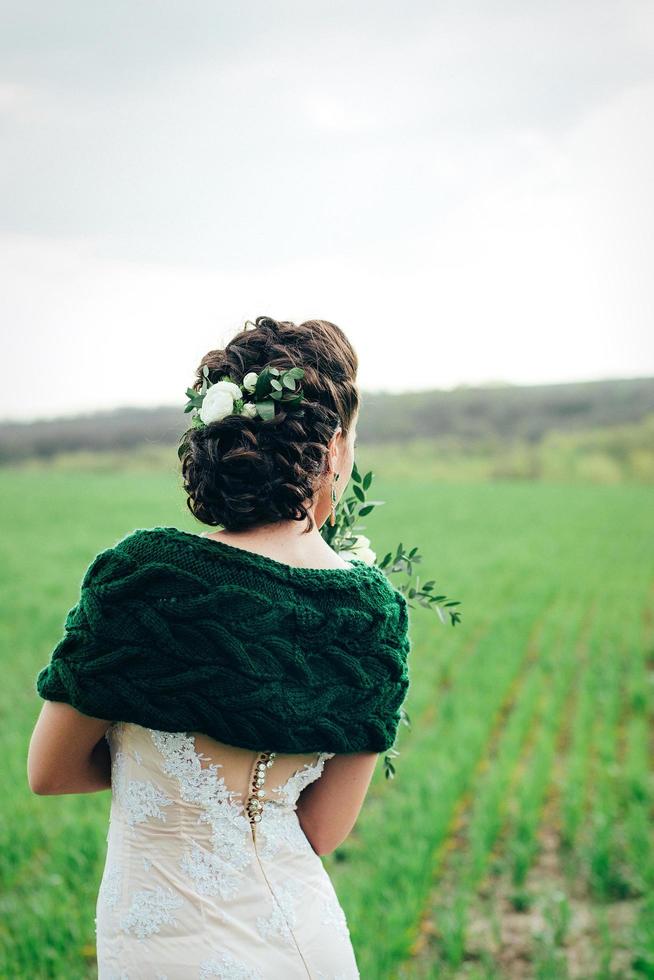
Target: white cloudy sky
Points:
(465, 187)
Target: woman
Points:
(234, 689)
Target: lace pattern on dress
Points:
(331, 912)
(210, 873)
(139, 798)
(110, 885)
(215, 872)
(283, 918)
(278, 827)
(149, 910)
(226, 966)
(199, 785)
(291, 789)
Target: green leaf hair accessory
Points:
(256, 396)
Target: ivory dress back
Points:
(208, 873)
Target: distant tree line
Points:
(524, 413)
(505, 420)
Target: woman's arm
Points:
(68, 752)
(328, 808)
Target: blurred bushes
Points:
(615, 454)
(591, 432)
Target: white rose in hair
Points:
(217, 403)
(229, 386)
(250, 380)
(360, 549)
(249, 410)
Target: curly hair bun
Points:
(240, 472)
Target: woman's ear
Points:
(334, 445)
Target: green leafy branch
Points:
(269, 389)
(343, 536)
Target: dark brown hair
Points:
(241, 472)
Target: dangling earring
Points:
(332, 515)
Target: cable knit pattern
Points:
(178, 632)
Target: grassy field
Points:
(516, 838)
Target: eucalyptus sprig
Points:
(342, 536)
(404, 561)
(269, 389)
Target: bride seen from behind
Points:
(237, 754)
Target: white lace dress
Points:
(208, 872)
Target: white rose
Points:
(229, 386)
(360, 549)
(216, 404)
(250, 380)
(366, 555)
(249, 410)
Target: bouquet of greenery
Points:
(344, 537)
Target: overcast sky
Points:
(464, 187)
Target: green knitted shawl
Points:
(179, 632)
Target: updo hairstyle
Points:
(241, 472)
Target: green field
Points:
(516, 837)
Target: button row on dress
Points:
(255, 804)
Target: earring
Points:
(332, 515)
